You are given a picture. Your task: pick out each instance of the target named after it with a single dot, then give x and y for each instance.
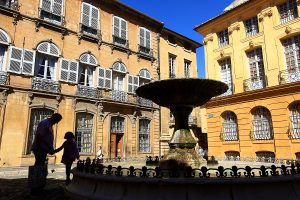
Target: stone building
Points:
(83, 59)
(254, 47)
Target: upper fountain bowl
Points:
(191, 92)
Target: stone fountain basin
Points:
(91, 186)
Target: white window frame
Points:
(90, 17)
(106, 78)
(46, 66)
(187, 68)
(85, 127)
(22, 61)
(292, 42)
(251, 26)
(172, 66)
(145, 37)
(117, 124)
(86, 68)
(119, 34)
(133, 84)
(52, 11)
(290, 7)
(144, 144)
(262, 124)
(230, 130)
(226, 74)
(68, 71)
(223, 38)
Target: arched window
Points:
(265, 156)
(295, 121)
(84, 132)
(4, 42)
(87, 67)
(262, 124)
(230, 130)
(145, 76)
(47, 56)
(144, 135)
(37, 115)
(232, 155)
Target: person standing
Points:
(43, 140)
(99, 154)
(70, 154)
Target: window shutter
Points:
(116, 26)
(123, 29)
(73, 71)
(58, 7)
(94, 18)
(46, 5)
(15, 56)
(28, 62)
(142, 37)
(64, 70)
(85, 14)
(133, 83)
(148, 38)
(101, 77)
(108, 78)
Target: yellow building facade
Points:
(83, 59)
(253, 46)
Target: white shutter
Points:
(73, 71)
(133, 83)
(123, 29)
(108, 78)
(142, 37)
(116, 25)
(28, 62)
(64, 70)
(46, 5)
(148, 38)
(85, 14)
(94, 17)
(15, 59)
(101, 77)
(57, 7)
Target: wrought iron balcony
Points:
(118, 95)
(145, 50)
(51, 17)
(144, 102)
(86, 91)
(289, 76)
(3, 78)
(11, 4)
(90, 32)
(45, 85)
(255, 83)
(120, 41)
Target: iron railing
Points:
(118, 95)
(45, 85)
(3, 78)
(144, 102)
(145, 50)
(255, 83)
(289, 76)
(120, 41)
(89, 31)
(11, 4)
(87, 91)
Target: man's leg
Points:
(40, 158)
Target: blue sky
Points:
(182, 17)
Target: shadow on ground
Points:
(11, 189)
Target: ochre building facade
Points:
(83, 59)
(253, 46)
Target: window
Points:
(8, 3)
(297, 155)
(118, 77)
(262, 124)
(256, 66)
(145, 41)
(292, 58)
(232, 155)
(21, 61)
(144, 136)
(172, 66)
(84, 132)
(265, 156)
(4, 42)
(104, 78)
(288, 11)
(117, 125)
(37, 115)
(2, 56)
(145, 77)
(68, 71)
(223, 38)
(89, 19)
(230, 131)
(52, 10)
(226, 74)
(251, 26)
(187, 67)
(133, 83)
(119, 31)
(295, 121)
(87, 65)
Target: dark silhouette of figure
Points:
(70, 153)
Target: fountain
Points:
(181, 96)
(179, 175)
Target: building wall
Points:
(276, 96)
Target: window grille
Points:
(119, 31)
(84, 132)
(144, 136)
(265, 156)
(37, 115)
(52, 10)
(117, 125)
(251, 26)
(256, 66)
(288, 11)
(232, 155)
(187, 67)
(295, 121)
(89, 19)
(292, 58)
(262, 128)
(144, 73)
(226, 74)
(230, 131)
(223, 38)
(172, 66)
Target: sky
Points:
(182, 17)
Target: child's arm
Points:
(59, 149)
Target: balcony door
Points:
(226, 74)
(292, 58)
(116, 137)
(257, 72)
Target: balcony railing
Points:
(144, 102)
(118, 95)
(11, 4)
(145, 50)
(255, 83)
(120, 41)
(3, 78)
(289, 76)
(89, 31)
(45, 85)
(86, 91)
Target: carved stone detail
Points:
(207, 39)
(235, 27)
(288, 30)
(263, 14)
